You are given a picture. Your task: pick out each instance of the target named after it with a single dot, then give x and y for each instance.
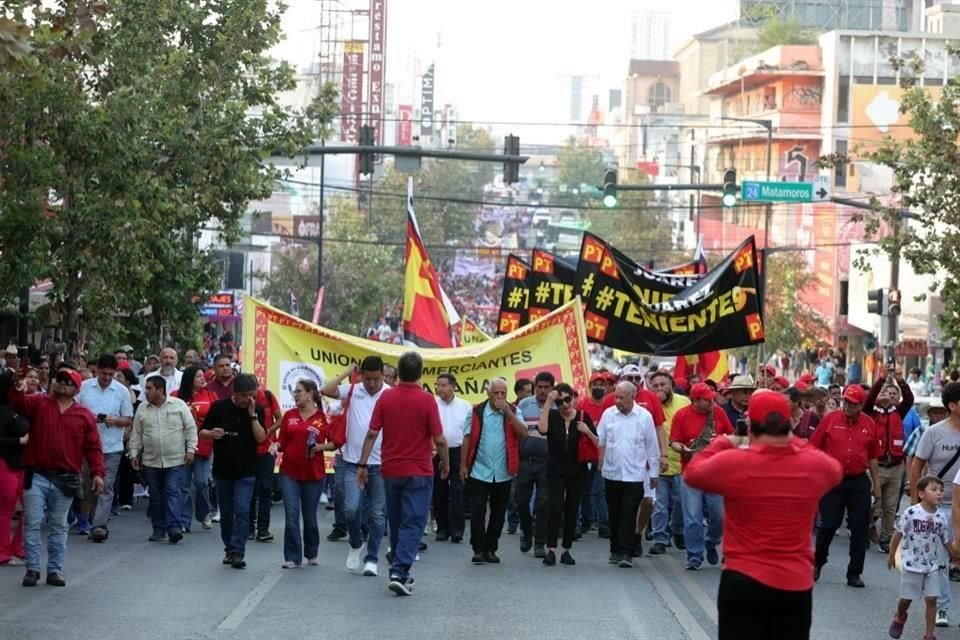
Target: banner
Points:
(351, 91)
(281, 349)
(515, 297)
(550, 283)
(470, 333)
(404, 125)
(378, 66)
(426, 104)
(629, 309)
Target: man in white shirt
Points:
(629, 457)
(168, 369)
(448, 491)
(359, 400)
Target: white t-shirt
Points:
(924, 539)
(453, 417)
(358, 422)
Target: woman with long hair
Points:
(303, 437)
(193, 390)
(13, 440)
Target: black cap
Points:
(244, 383)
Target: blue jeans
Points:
(197, 477)
(166, 486)
(262, 496)
(696, 506)
(339, 521)
(234, 495)
(44, 498)
(408, 507)
(599, 501)
(668, 509)
(354, 512)
(300, 498)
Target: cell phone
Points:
(741, 428)
(101, 417)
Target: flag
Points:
(470, 333)
(712, 365)
(515, 296)
(428, 315)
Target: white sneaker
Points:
(207, 522)
(942, 619)
(215, 517)
(355, 558)
(370, 569)
(323, 498)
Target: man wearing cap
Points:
(779, 384)
(63, 434)
(668, 508)
(888, 411)
(771, 490)
(740, 389)
(850, 436)
(768, 374)
(109, 401)
(691, 430)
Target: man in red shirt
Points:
(62, 435)
(410, 421)
(693, 427)
(766, 588)
(850, 436)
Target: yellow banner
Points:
(281, 349)
(470, 333)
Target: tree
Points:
(361, 275)
(144, 122)
(789, 322)
(774, 30)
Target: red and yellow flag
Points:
(713, 365)
(427, 313)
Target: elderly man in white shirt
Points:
(629, 457)
(448, 491)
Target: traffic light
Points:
(511, 170)
(893, 303)
(610, 188)
(366, 157)
(875, 301)
(729, 197)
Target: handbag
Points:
(587, 452)
(338, 423)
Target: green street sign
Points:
(778, 192)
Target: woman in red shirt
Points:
(771, 491)
(193, 390)
(304, 436)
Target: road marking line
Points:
(250, 602)
(695, 590)
(680, 611)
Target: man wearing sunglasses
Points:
(62, 435)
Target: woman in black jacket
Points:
(13, 438)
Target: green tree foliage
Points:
(143, 122)
(789, 322)
(361, 276)
(775, 30)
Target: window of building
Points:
(840, 171)
(769, 98)
(659, 96)
(843, 100)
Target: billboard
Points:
(378, 66)
(351, 92)
(404, 125)
(875, 112)
(426, 103)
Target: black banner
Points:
(515, 298)
(636, 310)
(550, 282)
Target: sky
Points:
(507, 60)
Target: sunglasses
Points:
(566, 400)
(67, 381)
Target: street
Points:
(129, 587)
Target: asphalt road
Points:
(132, 588)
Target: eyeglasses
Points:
(67, 381)
(566, 400)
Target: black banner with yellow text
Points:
(550, 282)
(515, 297)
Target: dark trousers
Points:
(533, 475)
(749, 610)
(623, 500)
(485, 534)
(448, 497)
(564, 492)
(262, 498)
(853, 496)
(586, 498)
(125, 478)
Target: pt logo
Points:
(751, 191)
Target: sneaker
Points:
(658, 549)
(943, 620)
(512, 529)
(313, 562)
(478, 558)
(525, 544)
(693, 565)
(336, 534)
(679, 543)
(355, 558)
(491, 557)
(626, 562)
(227, 558)
(175, 537)
(265, 536)
(159, 535)
(126, 507)
(567, 559)
(896, 627)
(56, 579)
(288, 565)
(712, 556)
(215, 517)
(401, 586)
(442, 536)
(324, 499)
(370, 569)
(238, 562)
(954, 574)
(856, 582)
(99, 534)
(185, 530)
(422, 547)
(614, 558)
(550, 559)
(83, 527)
(31, 578)
(207, 522)
(540, 551)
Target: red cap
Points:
(74, 376)
(682, 383)
(855, 394)
(602, 376)
(801, 386)
(770, 370)
(808, 378)
(766, 404)
(701, 391)
(123, 364)
(781, 381)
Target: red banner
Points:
(378, 65)
(404, 125)
(351, 94)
